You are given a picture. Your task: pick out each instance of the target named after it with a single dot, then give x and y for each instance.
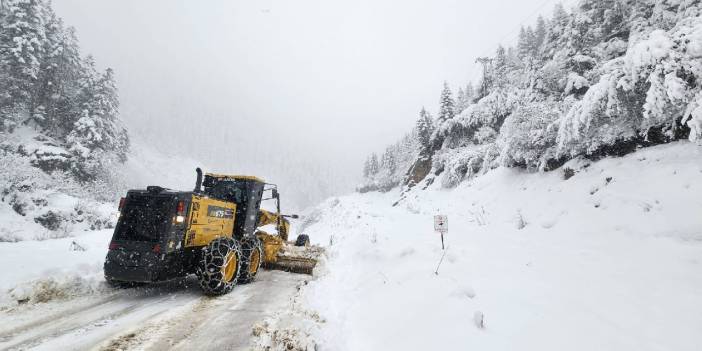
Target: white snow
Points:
(648, 52)
(575, 82)
(606, 260)
(46, 264)
(39, 271)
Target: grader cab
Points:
(215, 231)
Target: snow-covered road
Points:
(169, 316)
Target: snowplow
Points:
(215, 231)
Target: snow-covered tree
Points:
(425, 128)
(373, 165)
(447, 106)
(366, 168)
(527, 44)
(98, 126)
(528, 135)
(540, 32)
(389, 161)
(43, 76)
(60, 79)
(499, 67)
(557, 26)
(22, 43)
(603, 79)
(462, 101)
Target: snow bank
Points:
(606, 259)
(59, 287)
(53, 269)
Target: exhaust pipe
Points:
(198, 181)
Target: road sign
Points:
(441, 223)
(441, 227)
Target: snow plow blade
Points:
(284, 256)
(293, 265)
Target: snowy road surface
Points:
(169, 316)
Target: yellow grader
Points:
(215, 231)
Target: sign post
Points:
(441, 226)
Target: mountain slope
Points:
(606, 78)
(607, 259)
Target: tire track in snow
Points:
(52, 318)
(81, 323)
(86, 325)
(162, 317)
(214, 323)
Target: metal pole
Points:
(439, 265)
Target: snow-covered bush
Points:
(576, 84)
(528, 134)
(460, 164)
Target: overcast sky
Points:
(320, 79)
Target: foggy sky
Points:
(322, 81)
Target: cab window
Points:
(228, 191)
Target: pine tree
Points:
(499, 67)
(526, 44)
(98, 126)
(560, 16)
(22, 39)
(462, 101)
(425, 128)
(373, 166)
(539, 33)
(59, 78)
(447, 108)
(389, 162)
(43, 76)
(555, 38)
(366, 168)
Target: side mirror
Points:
(294, 216)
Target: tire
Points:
(252, 253)
(302, 240)
(219, 266)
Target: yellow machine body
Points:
(208, 220)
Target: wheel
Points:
(219, 266)
(252, 257)
(302, 240)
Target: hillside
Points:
(605, 78)
(60, 132)
(606, 259)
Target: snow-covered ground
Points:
(53, 295)
(609, 259)
(168, 316)
(39, 271)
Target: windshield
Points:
(231, 191)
